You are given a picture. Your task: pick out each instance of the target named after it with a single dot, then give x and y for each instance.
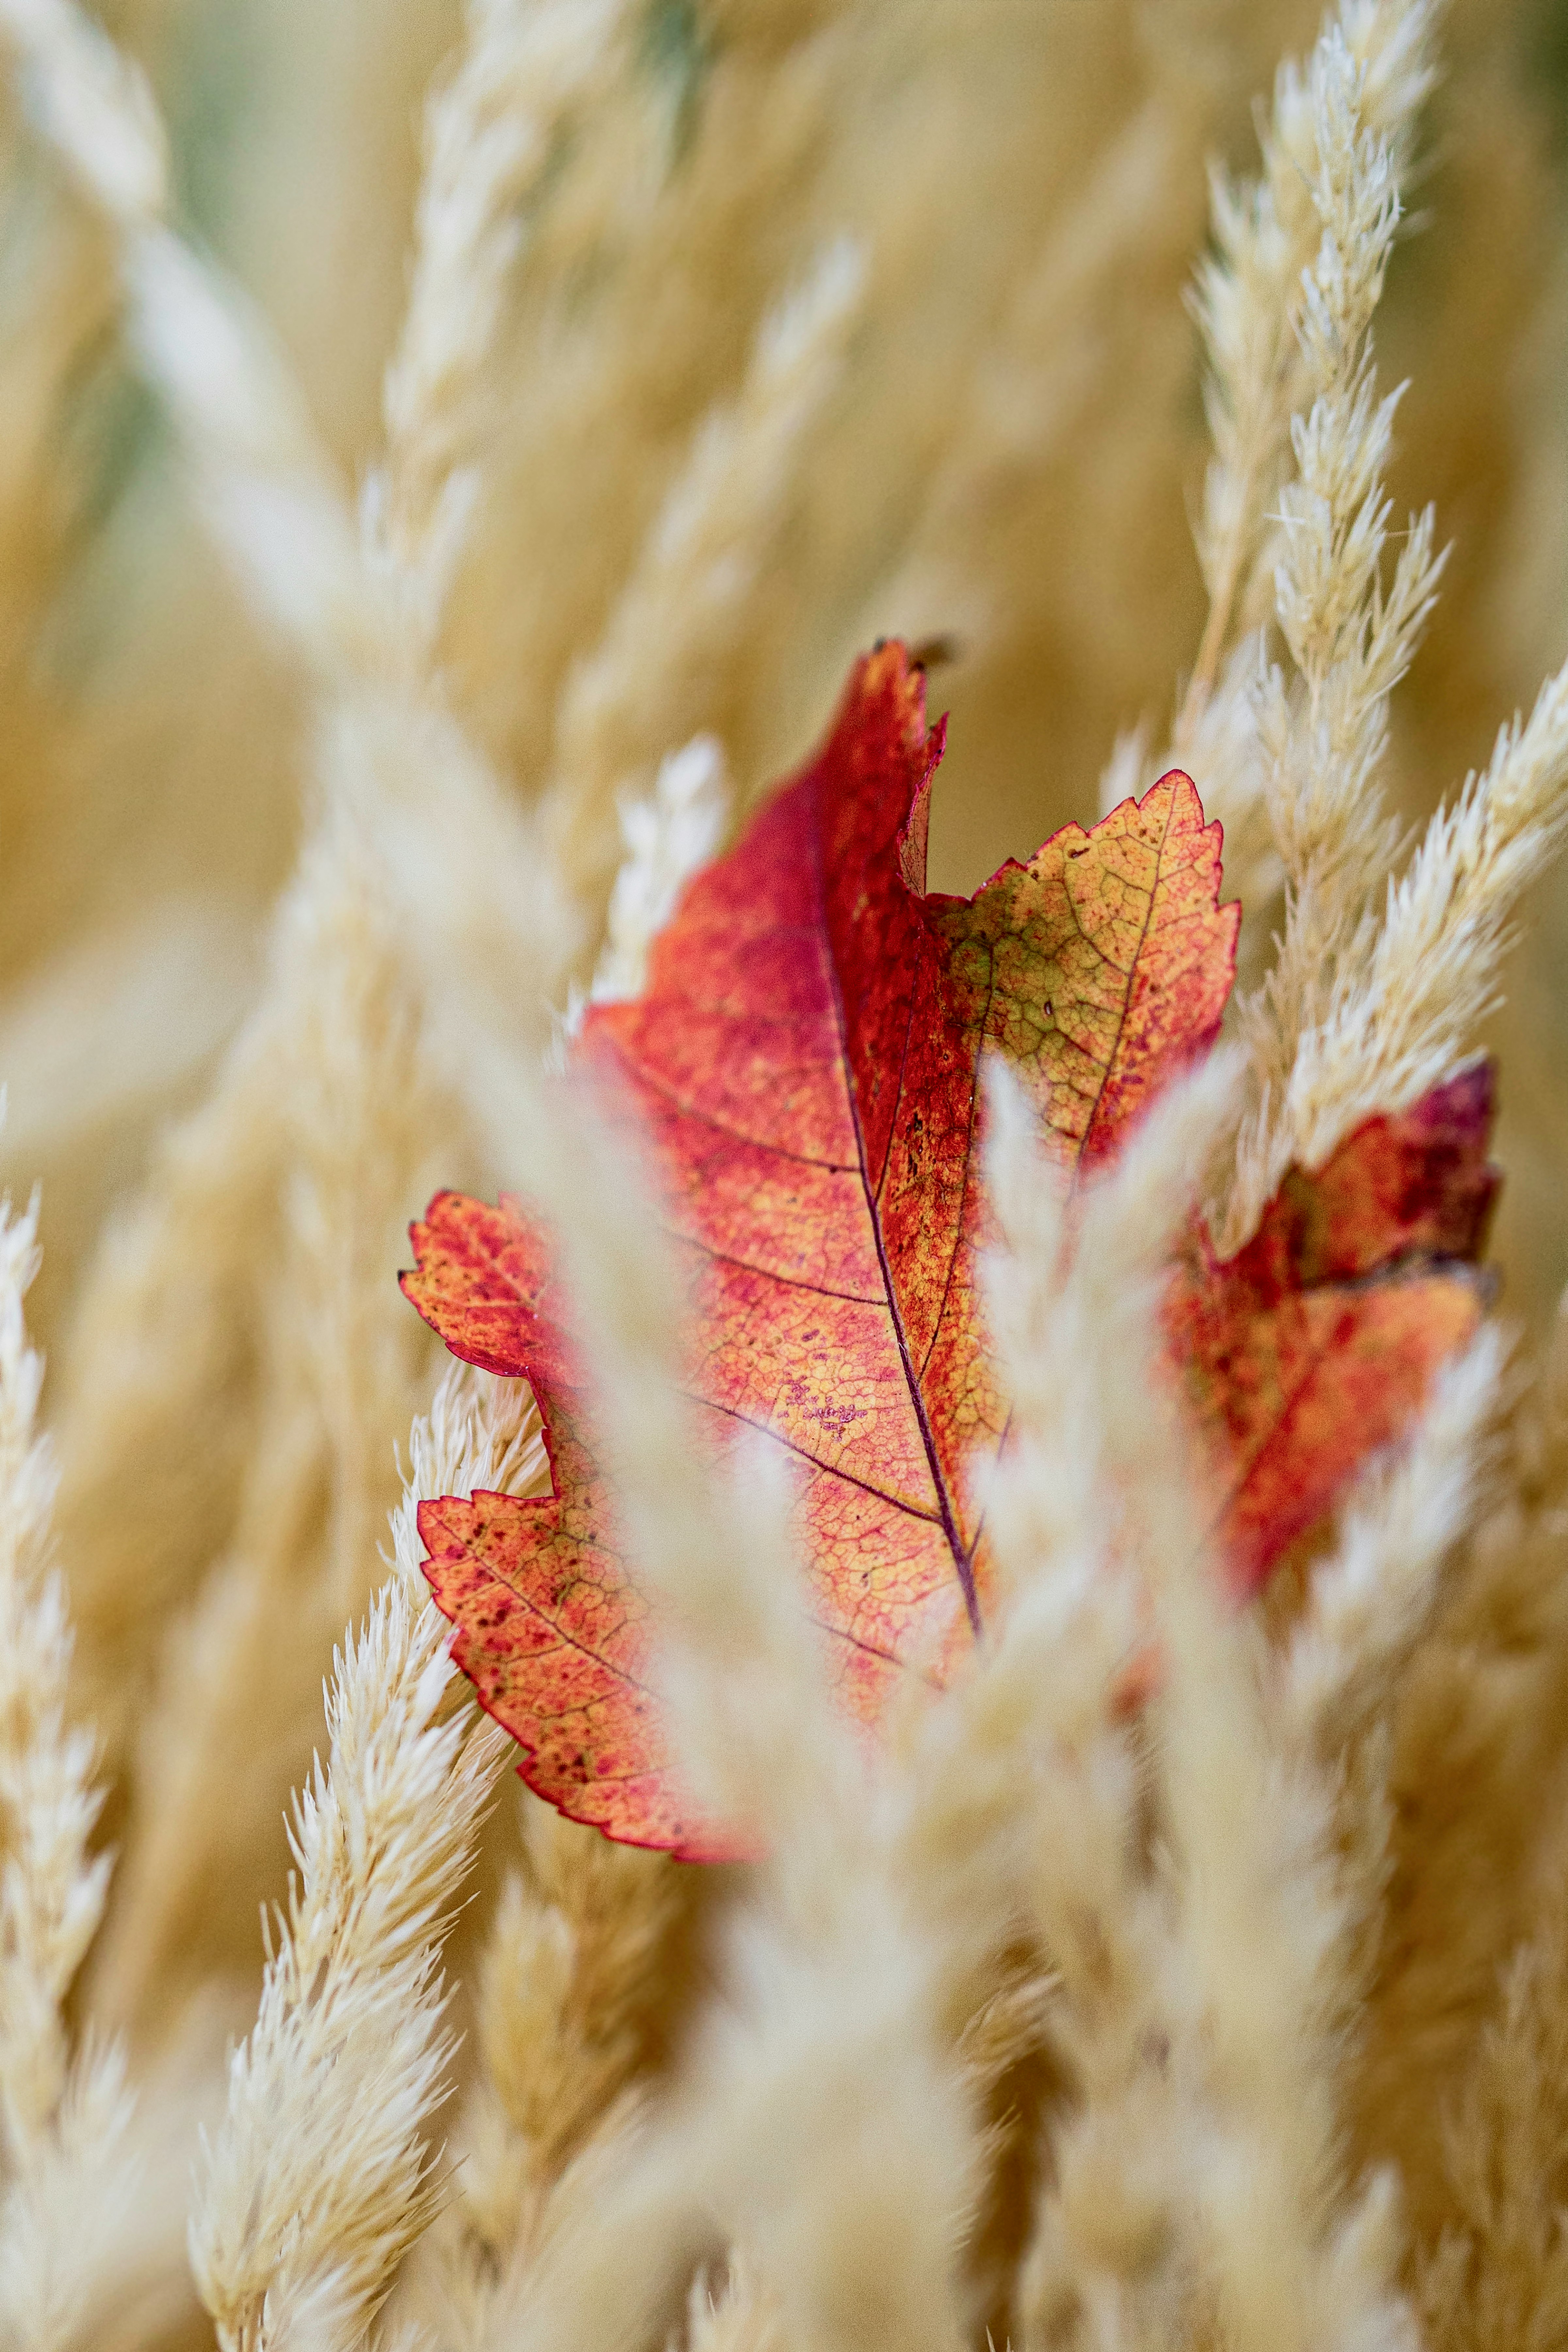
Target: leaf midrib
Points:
(961, 1564)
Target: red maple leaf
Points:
(804, 1064)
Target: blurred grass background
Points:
(1011, 462)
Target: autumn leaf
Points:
(804, 1068)
(805, 1065)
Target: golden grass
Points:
(450, 462)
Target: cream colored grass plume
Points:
(91, 2193)
(322, 2173)
(1342, 1022)
(821, 2073)
(726, 336)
